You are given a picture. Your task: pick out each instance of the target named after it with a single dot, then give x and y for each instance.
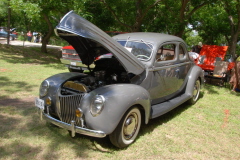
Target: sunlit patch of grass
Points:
(23, 69)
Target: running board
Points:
(162, 108)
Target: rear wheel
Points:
(127, 129)
(196, 92)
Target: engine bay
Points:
(107, 71)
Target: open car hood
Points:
(85, 37)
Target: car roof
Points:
(148, 37)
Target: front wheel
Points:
(196, 92)
(127, 129)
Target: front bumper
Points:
(75, 63)
(72, 127)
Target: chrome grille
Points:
(69, 51)
(68, 106)
(72, 56)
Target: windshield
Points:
(141, 50)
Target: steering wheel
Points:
(144, 56)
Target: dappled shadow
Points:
(213, 89)
(7, 122)
(154, 123)
(10, 128)
(25, 102)
(13, 126)
(31, 55)
(20, 117)
(235, 93)
(18, 150)
(13, 87)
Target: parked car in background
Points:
(209, 58)
(210, 54)
(72, 60)
(4, 34)
(146, 76)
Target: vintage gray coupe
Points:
(147, 75)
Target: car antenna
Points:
(146, 44)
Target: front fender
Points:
(119, 98)
(195, 74)
(55, 83)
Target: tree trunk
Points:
(46, 37)
(181, 30)
(235, 29)
(236, 73)
(8, 24)
(233, 44)
(232, 51)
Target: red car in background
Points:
(209, 55)
(71, 59)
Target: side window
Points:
(182, 52)
(166, 52)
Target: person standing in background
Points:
(29, 35)
(197, 48)
(194, 53)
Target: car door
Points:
(184, 65)
(166, 73)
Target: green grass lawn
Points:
(210, 129)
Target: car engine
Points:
(107, 71)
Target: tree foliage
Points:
(131, 15)
(40, 15)
(174, 16)
(211, 22)
(192, 38)
(216, 22)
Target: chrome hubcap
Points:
(196, 90)
(130, 125)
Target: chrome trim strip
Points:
(78, 63)
(58, 109)
(168, 66)
(73, 128)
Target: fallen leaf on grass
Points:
(5, 70)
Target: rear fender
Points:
(195, 74)
(118, 99)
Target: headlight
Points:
(44, 88)
(97, 105)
